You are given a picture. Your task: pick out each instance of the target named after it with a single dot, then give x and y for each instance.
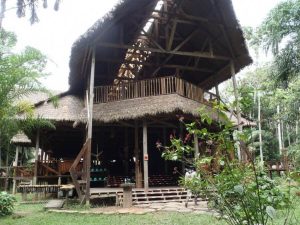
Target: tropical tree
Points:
(23, 5)
(20, 74)
(280, 34)
(259, 82)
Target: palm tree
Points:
(22, 5)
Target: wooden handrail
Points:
(151, 87)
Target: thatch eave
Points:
(167, 106)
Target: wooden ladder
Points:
(80, 178)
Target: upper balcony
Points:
(152, 87)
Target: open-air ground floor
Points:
(34, 214)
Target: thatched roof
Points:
(68, 109)
(20, 139)
(71, 109)
(154, 106)
(218, 24)
(38, 97)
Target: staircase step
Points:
(157, 196)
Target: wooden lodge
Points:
(132, 74)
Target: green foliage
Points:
(294, 155)
(259, 82)
(280, 33)
(246, 195)
(6, 204)
(20, 75)
(242, 192)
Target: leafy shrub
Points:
(240, 191)
(6, 203)
(246, 195)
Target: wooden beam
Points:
(138, 172)
(145, 156)
(90, 129)
(172, 34)
(15, 170)
(213, 77)
(37, 147)
(182, 15)
(187, 39)
(205, 55)
(126, 152)
(152, 40)
(162, 65)
(162, 123)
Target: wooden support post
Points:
(145, 155)
(240, 128)
(182, 138)
(138, 172)
(7, 169)
(37, 147)
(164, 144)
(15, 170)
(217, 91)
(90, 130)
(126, 150)
(196, 146)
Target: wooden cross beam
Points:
(162, 65)
(213, 77)
(205, 55)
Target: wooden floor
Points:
(95, 191)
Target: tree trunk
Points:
(288, 134)
(259, 128)
(279, 131)
(241, 151)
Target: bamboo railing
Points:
(151, 87)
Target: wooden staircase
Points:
(161, 195)
(81, 178)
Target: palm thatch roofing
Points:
(150, 107)
(20, 139)
(206, 26)
(67, 108)
(38, 97)
(71, 108)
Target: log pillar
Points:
(196, 146)
(164, 144)
(15, 170)
(138, 172)
(36, 161)
(181, 136)
(126, 151)
(145, 155)
(90, 130)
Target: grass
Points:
(34, 214)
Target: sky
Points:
(57, 30)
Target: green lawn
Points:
(36, 215)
